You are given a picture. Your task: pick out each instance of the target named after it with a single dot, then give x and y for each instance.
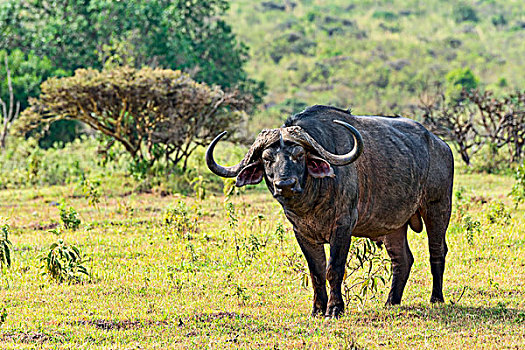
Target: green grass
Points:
(155, 287)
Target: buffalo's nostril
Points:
(285, 184)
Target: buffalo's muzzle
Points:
(286, 187)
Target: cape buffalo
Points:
(395, 173)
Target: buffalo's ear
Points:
(251, 174)
(318, 167)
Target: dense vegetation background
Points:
(383, 57)
(377, 56)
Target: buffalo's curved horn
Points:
(297, 134)
(217, 169)
(351, 156)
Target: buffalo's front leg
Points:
(316, 259)
(339, 246)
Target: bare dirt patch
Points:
(213, 317)
(120, 324)
(29, 337)
(43, 227)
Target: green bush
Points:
(386, 15)
(460, 79)
(463, 12)
(518, 190)
(5, 245)
(23, 163)
(69, 217)
(64, 263)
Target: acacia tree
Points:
(451, 121)
(501, 121)
(154, 113)
(477, 119)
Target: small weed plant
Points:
(70, 218)
(279, 233)
(176, 282)
(294, 265)
(518, 190)
(90, 189)
(5, 246)
(365, 272)
(182, 219)
(64, 263)
(3, 314)
(232, 225)
(199, 187)
(471, 227)
(498, 214)
(462, 203)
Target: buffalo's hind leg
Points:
(397, 247)
(436, 216)
(316, 259)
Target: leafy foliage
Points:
(69, 217)
(176, 34)
(518, 190)
(155, 114)
(498, 214)
(460, 79)
(471, 227)
(90, 189)
(463, 12)
(27, 73)
(183, 220)
(379, 54)
(365, 272)
(64, 263)
(55, 38)
(5, 246)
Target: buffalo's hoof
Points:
(334, 312)
(435, 300)
(391, 302)
(316, 311)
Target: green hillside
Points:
(375, 56)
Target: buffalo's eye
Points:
(298, 155)
(268, 160)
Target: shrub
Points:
(498, 20)
(157, 115)
(5, 246)
(182, 219)
(291, 43)
(25, 164)
(463, 12)
(69, 217)
(498, 213)
(518, 190)
(386, 15)
(64, 263)
(460, 79)
(479, 121)
(365, 272)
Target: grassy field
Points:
(178, 272)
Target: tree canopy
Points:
(177, 34)
(156, 114)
